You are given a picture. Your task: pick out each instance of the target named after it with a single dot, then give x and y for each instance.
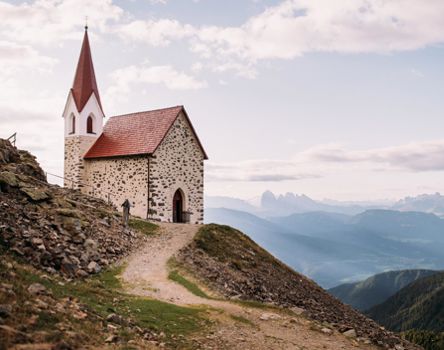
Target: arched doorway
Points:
(178, 206)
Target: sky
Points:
(337, 99)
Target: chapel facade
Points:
(153, 158)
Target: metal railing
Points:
(80, 184)
(12, 139)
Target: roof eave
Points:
(89, 157)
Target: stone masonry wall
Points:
(177, 163)
(123, 177)
(75, 148)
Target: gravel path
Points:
(146, 275)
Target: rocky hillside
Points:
(53, 244)
(236, 267)
(419, 306)
(59, 288)
(376, 289)
(56, 229)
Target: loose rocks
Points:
(56, 229)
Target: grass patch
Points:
(231, 246)
(102, 294)
(143, 226)
(242, 319)
(190, 286)
(169, 318)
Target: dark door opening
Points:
(178, 207)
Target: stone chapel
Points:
(154, 158)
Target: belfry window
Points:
(89, 125)
(73, 124)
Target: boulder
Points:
(93, 267)
(326, 330)
(351, 333)
(8, 179)
(72, 213)
(36, 289)
(8, 153)
(35, 194)
(298, 310)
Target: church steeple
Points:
(83, 115)
(85, 83)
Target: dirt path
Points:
(147, 272)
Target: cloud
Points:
(16, 57)
(325, 160)
(20, 65)
(263, 170)
(166, 75)
(48, 22)
(416, 157)
(155, 33)
(297, 27)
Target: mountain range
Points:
(408, 301)
(334, 248)
(419, 305)
(270, 204)
(377, 289)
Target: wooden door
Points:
(177, 206)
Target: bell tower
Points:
(83, 116)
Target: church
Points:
(153, 158)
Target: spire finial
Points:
(86, 23)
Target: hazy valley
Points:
(333, 247)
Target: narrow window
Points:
(73, 124)
(89, 125)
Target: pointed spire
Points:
(85, 79)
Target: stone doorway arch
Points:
(178, 206)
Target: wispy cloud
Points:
(420, 156)
(262, 170)
(154, 32)
(124, 79)
(296, 27)
(49, 22)
(324, 160)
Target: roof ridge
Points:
(142, 112)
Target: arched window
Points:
(73, 124)
(89, 125)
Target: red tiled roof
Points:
(137, 133)
(85, 83)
